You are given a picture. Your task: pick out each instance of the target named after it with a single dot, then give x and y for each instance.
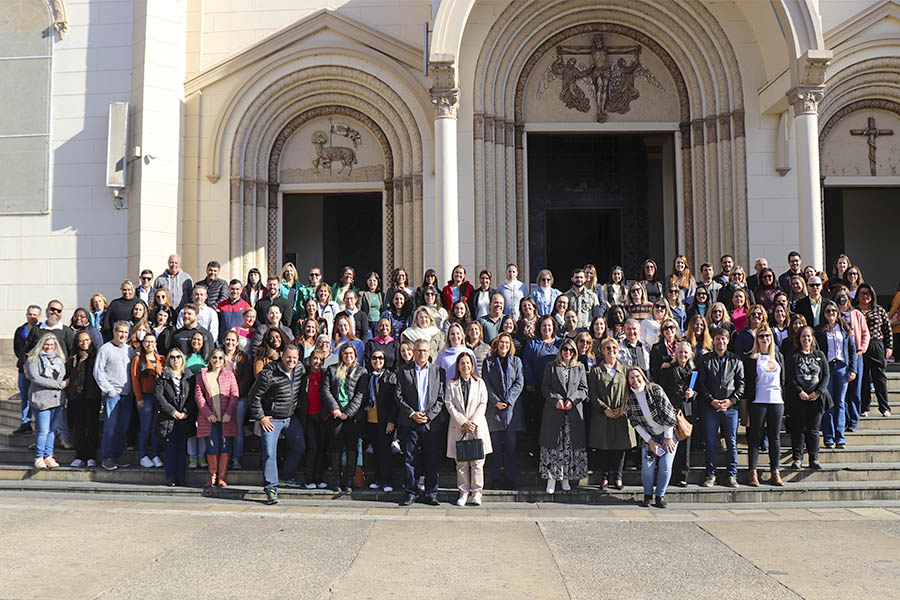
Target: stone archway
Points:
(702, 62)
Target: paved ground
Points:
(75, 546)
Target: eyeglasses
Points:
(669, 327)
(659, 306)
(374, 358)
(764, 336)
(566, 351)
(815, 285)
(53, 309)
(145, 278)
(315, 274)
(217, 358)
(175, 357)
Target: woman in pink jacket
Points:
(216, 393)
(860, 330)
(466, 402)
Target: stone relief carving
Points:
(60, 21)
(872, 133)
(326, 156)
(610, 82)
(805, 99)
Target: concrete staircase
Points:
(868, 469)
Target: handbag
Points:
(468, 450)
(683, 427)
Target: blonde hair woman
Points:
(97, 305)
(343, 389)
(423, 327)
(46, 370)
(562, 437)
(764, 393)
(176, 414)
(610, 432)
(466, 404)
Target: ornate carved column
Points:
(805, 100)
(388, 228)
(261, 224)
(478, 141)
(236, 239)
(445, 97)
(419, 239)
(248, 256)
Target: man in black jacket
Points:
(811, 306)
(32, 316)
(420, 400)
(273, 297)
(795, 264)
(182, 337)
(52, 324)
(217, 289)
(273, 402)
(720, 385)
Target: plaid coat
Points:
(661, 409)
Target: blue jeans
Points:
(834, 420)
(148, 438)
(728, 421)
(117, 414)
(293, 433)
(175, 452)
(62, 425)
(661, 466)
(24, 387)
(217, 443)
(854, 394)
(45, 422)
(240, 415)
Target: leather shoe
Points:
(431, 501)
(408, 501)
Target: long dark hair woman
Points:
(649, 279)
(458, 288)
(343, 389)
(836, 341)
(83, 401)
(371, 300)
(398, 312)
(428, 280)
(162, 323)
(563, 448)
(255, 288)
(879, 351)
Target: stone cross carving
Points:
(871, 132)
(600, 66)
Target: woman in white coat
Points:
(466, 403)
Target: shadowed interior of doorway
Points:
(333, 230)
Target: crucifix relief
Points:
(871, 132)
(610, 82)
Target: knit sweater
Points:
(112, 369)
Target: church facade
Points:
(425, 134)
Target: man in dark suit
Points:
(795, 264)
(420, 400)
(811, 306)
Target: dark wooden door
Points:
(352, 234)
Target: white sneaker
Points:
(395, 447)
(146, 462)
(77, 463)
(310, 486)
(551, 486)
(91, 463)
(322, 485)
(565, 485)
(463, 498)
(476, 499)
(387, 489)
(157, 462)
(373, 486)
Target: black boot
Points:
(335, 480)
(646, 501)
(661, 502)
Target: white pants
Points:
(470, 476)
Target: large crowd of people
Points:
(598, 376)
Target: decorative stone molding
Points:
(805, 99)
(446, 102)
(60, 20)
(870, 104)
(811, 67)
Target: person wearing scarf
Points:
(423, 328)
(504, 377)
(45, 368)
(455, 346)
(653, 418)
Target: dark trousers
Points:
(84, 426)
(175, 453)
(681, 465)
(805, 420)
(611, 463)
(874, 365)
(503, 458)
(534, 409)
(420, 439)
(381, 444)
(769, 415)
(343, 436)
(316, 449)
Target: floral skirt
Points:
(564, 461)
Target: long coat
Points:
(170, 399)
(459, 414)
(554, 390)
(608, 391)
(514, 419)
(229, 392)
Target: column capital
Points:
(446, 102)
(805, 99)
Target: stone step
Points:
(793, 492)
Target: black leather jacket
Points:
(720, 378)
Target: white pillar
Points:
(445, 97)
(805, 101)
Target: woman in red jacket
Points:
(216, 393)
(458, 288)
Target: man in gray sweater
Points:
(112, 370)
(178, 283)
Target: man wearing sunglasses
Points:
(309, 291)
(144, 291)
(52, 323)
(811, 306)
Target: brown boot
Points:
(223, 470)
(776, 478)
(752, 478)
(213, 462)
